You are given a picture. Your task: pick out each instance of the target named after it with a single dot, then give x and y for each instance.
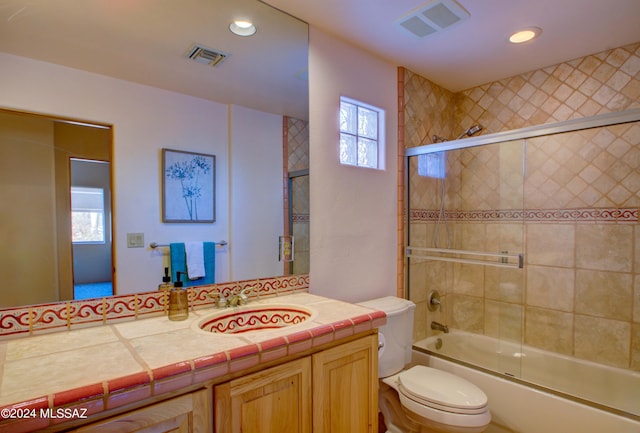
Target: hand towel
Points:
(195, 259)
(179, 263)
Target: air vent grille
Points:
(206, 56)
(432, 18)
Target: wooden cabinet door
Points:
(345, 388)
(190, 413)
(276, 400)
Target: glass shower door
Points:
(465, 247)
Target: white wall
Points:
(256, 175)
(353, 210)
(144, 120)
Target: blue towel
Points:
(179, 264)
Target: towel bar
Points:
(155, 245)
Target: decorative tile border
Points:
(62, 316)
(604, 215)
(300, 217)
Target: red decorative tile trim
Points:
(129, 381)
(77, 394)
(299, 336)
(66, 315)
(273, 343)
(35, 403)
(171, 370)
(14, 322)
(210, 360)
(128, 396)
(172, 383)
(241, 352)
(600, 215)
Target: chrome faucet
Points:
(240, 298)
(440, 327)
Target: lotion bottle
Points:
(178, 301)
(166, 281)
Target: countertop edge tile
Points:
(129, 381)
(78, 394)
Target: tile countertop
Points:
(105, 367)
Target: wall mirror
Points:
(81, 58)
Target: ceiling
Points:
(475, 51)
(144, 41)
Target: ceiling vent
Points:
(206, 56)
(432, 18)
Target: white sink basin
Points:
(255, 318)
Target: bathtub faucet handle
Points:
(434, 301)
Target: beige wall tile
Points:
(549, 330)
(470, 237)
(635, 346)
(503, 284)
(550, 244)
(420, 321)
(636, 298)
(605, 247)
(505, 237)
(550, 287)
(636, 265)
(503, 320)
(468, 313)
(604, 341)
(468, 279)
(604, 294)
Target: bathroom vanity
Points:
(318, 375)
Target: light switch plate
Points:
(135, 240)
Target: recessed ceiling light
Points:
(524, 35)
(242, 28)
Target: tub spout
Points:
(440, 327)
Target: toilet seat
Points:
(441, 390)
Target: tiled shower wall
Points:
(579, 293)
(297, 139)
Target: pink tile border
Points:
(66, 315)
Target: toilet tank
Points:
(396, 337)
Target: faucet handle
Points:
(222, 301)
(434, 301)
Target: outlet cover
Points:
(135, 240)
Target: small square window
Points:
(361, 127)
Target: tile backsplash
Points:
(67, 315)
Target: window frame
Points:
(380, 134)
(101, 212)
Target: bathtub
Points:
(538, 391)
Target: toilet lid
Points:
(436, 387)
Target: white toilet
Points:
(421, 399)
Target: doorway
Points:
(91, 228)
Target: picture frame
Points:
(188, 187)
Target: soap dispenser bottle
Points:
(166, 281)
(178, 300)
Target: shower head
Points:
(438, 139)
(471, 131)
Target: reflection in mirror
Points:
(41, 159)
(136, 83)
